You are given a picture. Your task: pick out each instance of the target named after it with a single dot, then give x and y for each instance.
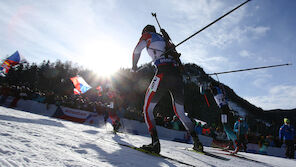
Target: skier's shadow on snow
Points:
(33, 121)
(200, 160)
(93, 132)
(117, 158)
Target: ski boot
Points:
(236, 150)
(237, 147)
(245, 149)
(154, 147)
(116, 126)
(230, 146)
(197, 145)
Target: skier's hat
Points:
(286, 120)
(149, 28)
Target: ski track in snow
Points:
(30, 140)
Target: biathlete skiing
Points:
(241, 129)
(221, 100)
(110, 97)
(167, 78)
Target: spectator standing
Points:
(206, 130)
(175, 123)
(198, 128)
(287, 134)
(5, 91)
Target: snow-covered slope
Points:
(32, 140)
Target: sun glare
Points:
(104, 58)
(105, 70)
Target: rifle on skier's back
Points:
(170, 48)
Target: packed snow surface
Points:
(33, 140)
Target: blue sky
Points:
(101, 35)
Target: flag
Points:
(80, 85)
(11, 61)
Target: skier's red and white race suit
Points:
(166, 79)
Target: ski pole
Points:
(106, 127)
(212, 22)
(144, 66)
(197, 31)
(248, 69)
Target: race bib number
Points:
(154, 84)
(223, 118)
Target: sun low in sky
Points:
(104, 56)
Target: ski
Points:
(154, 154)
(208, 154)
(242, 157)
(231, 153)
